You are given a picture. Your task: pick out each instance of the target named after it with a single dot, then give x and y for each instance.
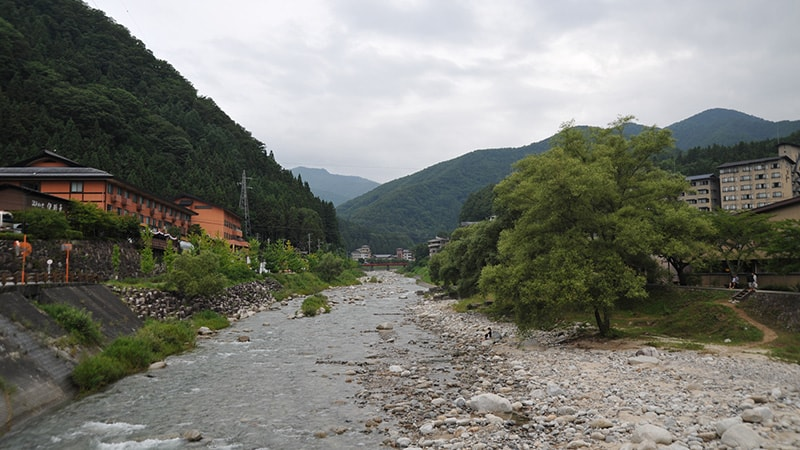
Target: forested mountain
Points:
(727, 127)
(74, 81)
(334, 188)
(413, 209)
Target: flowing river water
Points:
(289, 387)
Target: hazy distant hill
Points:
(413, 209)
(334, 188)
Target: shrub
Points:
(133, 353)
(167, 338)
(312, 304)
(196, 275)
(78, 323)
(328, 267)
(97, 372)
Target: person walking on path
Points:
(752, 281)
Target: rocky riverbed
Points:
(547, 392)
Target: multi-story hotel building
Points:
(745, 185)
(759, 182)
(704, 192)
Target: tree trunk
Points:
(603, 321)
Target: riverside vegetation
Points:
(202, 272)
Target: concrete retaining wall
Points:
(34, 372)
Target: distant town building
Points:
(436, 244)
(404, 254)
(362, 253)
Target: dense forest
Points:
(74, 81)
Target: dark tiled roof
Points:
(700, 177)
(52, 172)
(753, 161)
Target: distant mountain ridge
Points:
(413, 209)
(727, 127)
(334, 188)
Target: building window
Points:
(747, 196)
(777, 194)
(744, 178)
(729, 198)
(776, 165)
(762, 195)
(776, 174)
(761, 176)
(747, 187)
(760, 167)
(76, 186)
(109, 188)
(729, 189)
(761, 186)
(776, 184)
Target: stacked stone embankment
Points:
(242, 300)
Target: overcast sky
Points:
(383, 89)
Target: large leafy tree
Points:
(583, 228)
(784, 247)
(460, 262)
(741, 238)
(686, 233)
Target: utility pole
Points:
(243, 204)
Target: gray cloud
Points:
(384, 89)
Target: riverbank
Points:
(503, 393)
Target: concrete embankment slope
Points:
(34, 372)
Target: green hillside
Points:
(413, 209)
(73, 81)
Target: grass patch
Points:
(77, 322)
(314, 304)
(132, 354)
(302, 283)
(476, 303)
(689, 314)
(210, 319)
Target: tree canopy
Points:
(583, 225)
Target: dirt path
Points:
(769, 334)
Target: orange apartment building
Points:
(216, 221)
(50, 173)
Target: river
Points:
(290, 387)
